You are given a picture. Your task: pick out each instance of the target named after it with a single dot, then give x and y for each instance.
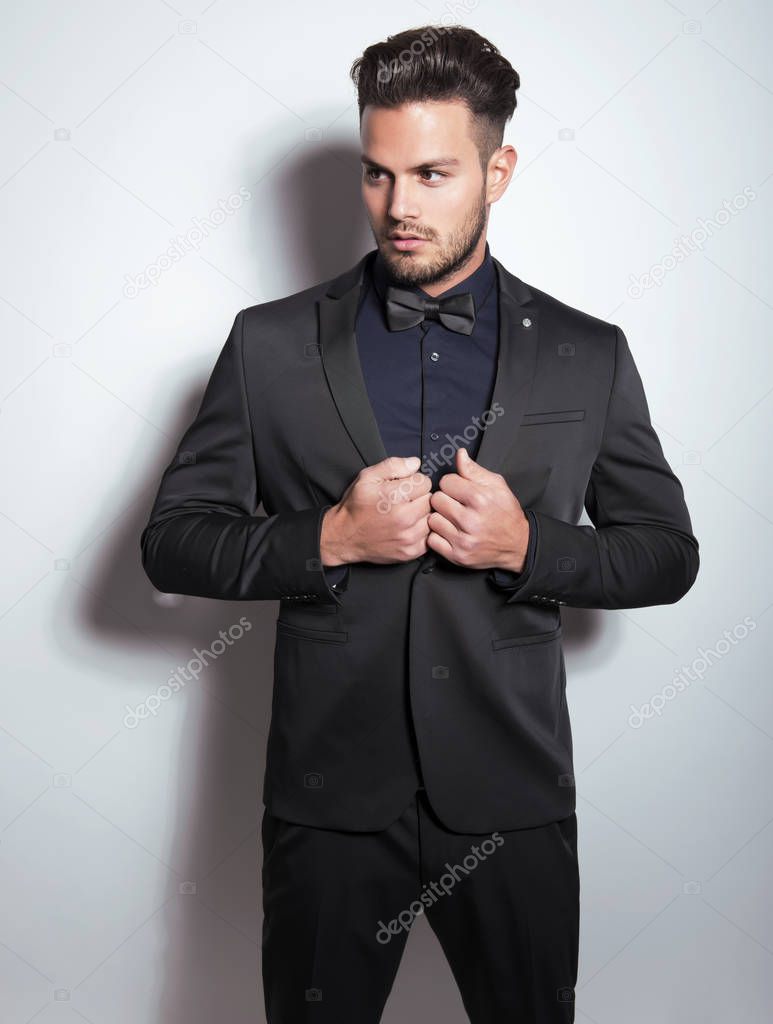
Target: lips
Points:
(405, 242)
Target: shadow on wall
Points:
(309, 218)
(210, 734)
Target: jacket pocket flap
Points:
(559, 416)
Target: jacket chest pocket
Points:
(558, 416)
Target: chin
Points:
(399, 255)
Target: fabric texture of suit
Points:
(421, 670)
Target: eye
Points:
(373, 174)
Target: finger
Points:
(395, 467)
(410, 488)
(449, 508)
(467, 467)
(457, 487)
(443, 527)
(421, 485)
(439, 544)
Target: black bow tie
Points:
(405, 309)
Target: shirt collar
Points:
(478, 283)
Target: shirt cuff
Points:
(337, 576)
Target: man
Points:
(423, 432)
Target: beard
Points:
(408, 270)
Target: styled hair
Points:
(437, 62)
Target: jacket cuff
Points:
(565, 563)
(295, 543)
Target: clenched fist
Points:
(382, 516)
(476, 520)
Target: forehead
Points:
(416, 130)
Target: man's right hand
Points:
(382, 516)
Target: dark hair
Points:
(436, 62)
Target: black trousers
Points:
(338, 907)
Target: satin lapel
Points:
(341, 362)
(516, 363)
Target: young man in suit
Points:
(423, 431)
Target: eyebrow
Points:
(442, 161)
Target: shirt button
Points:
(526, 322)
(434, 436)
(434, 356)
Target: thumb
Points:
(466, 465)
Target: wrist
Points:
(332, 549)
(514, 560)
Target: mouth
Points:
(405, 242)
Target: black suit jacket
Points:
(421, 661)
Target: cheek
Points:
(373, 200)
(468, 200)
(450, 206)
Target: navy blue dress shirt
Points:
(428, 385)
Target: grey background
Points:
(129, 857)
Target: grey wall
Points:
(129, 856)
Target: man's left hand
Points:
(476, 520)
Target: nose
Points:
(403, 205)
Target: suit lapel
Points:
(341, 362)
(516, 363)
(518, 326)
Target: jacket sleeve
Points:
(203, 537)
(641, 550)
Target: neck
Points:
(474, 261)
